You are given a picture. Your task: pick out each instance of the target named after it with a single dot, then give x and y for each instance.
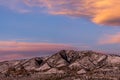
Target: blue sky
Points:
(42, 27)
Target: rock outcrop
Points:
(78, 64)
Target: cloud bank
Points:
(110, 39)
(16, 50)
(104, 12)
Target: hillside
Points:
(64, 65)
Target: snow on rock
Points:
(82, 71)
(43, 67)
(113, 59)
(77, 64)
(54, 70)
(101, 58)
(61, 63)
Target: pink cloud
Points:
(12, 57)
(26, 46)
(104, 12)
(15, 50)
(110, 39)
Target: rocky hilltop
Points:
(64, 65)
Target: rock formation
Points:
(65, 65)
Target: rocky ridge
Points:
(65, 65)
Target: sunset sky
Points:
(30, 28)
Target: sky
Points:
(30, 28)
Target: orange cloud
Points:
(105, 12)
(110, 39)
